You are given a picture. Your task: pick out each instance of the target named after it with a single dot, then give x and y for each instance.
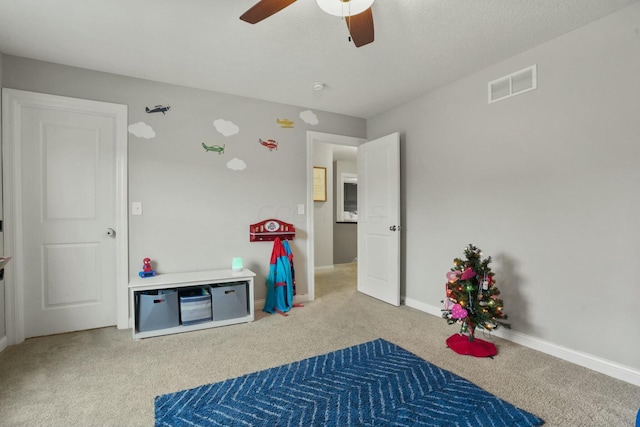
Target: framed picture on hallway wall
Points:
(319, 184)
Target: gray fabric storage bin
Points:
(157, 310)
(229, 300)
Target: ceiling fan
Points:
(357, 14)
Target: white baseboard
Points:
(324, 267)
(299, 299)
(589, 361)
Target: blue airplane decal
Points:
(158, 109)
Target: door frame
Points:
(12, 101)
(312, 138)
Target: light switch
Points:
(301, 209)
(136, 208)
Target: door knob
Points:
(394, 228)
(111, 232)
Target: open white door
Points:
(379, 218)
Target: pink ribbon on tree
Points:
(468, 273)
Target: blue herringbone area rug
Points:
(372, 384)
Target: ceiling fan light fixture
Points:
(344, 8)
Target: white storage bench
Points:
(156, 305)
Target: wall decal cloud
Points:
(236, 164)
(226, 127)
(309, 117)
(142, 130)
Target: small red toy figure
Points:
(146, 268)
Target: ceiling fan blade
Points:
(264, 9)
(361, 27)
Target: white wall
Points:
(197, 211)
(547, 183)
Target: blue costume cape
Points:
(280, 279)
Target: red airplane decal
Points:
(269, 143)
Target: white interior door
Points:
(379, 218)
(64, 183)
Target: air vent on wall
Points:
(514, 84)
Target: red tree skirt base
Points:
(478, 348)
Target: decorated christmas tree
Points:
(472, 299)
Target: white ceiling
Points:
(419, 45)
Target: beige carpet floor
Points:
(103, 377)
